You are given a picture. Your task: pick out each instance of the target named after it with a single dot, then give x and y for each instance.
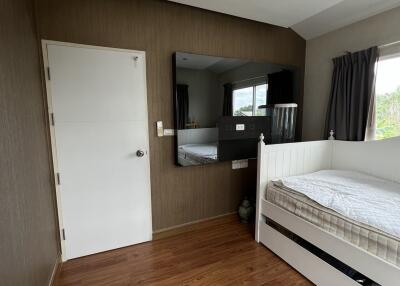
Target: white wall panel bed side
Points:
(305, 157)
(378, 158)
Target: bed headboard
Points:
(292, 159)
(378, 158)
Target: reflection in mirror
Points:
(208, 89)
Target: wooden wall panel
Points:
(28, 236)
(179, 195)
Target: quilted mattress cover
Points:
(355, 207)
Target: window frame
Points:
(253, 83)
(385, 54)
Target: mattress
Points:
(329, 209)
(199, 153)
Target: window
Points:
(246, 100)
(388, 98)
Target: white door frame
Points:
(45, 43)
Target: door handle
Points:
(139, 153)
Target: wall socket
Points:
(240, 164)
(240, 127)
(169, 132)
(163, 132)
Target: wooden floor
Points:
(218, 252)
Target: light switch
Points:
(160, 129)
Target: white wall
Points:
(378, 30)
(203, 100)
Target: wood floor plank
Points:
(219, 252)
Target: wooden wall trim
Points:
(179, 195)
(191, 226)
(56, 271)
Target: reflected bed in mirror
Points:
(222, 104)
(197, 146)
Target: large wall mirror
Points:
(223, 104)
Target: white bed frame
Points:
(378, 158)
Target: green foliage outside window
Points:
(244, 111)
(248, 111)
(388, 115)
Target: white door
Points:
(100, 141)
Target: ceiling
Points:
(309, 18)
(196, 62)
(200, 62)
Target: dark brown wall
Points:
(179, 195)
(28, 240)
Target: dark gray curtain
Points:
(227, 105)
(182, 100)
(352, 88)
(280, 87)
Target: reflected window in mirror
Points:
(247, 100)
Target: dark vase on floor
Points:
(246, 211)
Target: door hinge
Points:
(58, 179)
(63, 234)
(52, 118)
(48, 73)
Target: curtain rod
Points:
(253, 78)
(388, 45)
(249, 79)
(379, 47)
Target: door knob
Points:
(139, 153)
